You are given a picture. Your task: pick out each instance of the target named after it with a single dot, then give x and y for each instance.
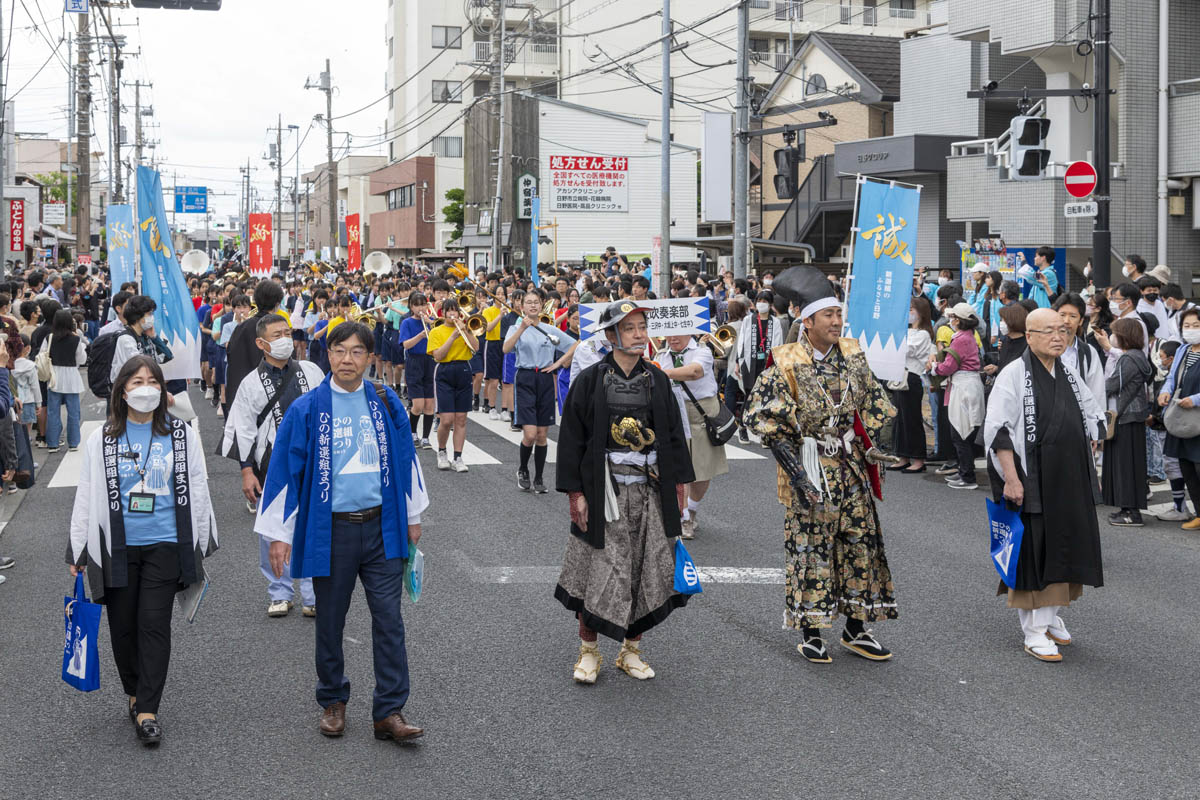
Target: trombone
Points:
(475, 321)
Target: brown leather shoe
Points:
(395, 727)
(333, 719)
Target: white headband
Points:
(818, 305)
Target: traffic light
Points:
(1028, 153)
(179, 5)
(787, 172)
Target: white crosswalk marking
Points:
(69, 468)
(505, 431)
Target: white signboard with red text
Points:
(588, 183)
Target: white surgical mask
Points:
(912, 318)
(147, 322)
(763, 308)
(1115, 307)
(1191, 335)
(943, 280)
(1003, 328)
(282, 347)
(767, 281)
(144, 399)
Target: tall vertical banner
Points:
(354, 242)
(163, 281)
(535, 216)
(885, 238)
(260, 245)
(16, 226)
(118, 227)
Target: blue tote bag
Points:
(81, 653)
(1006, 531)
(687, 579)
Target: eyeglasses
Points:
(1064, 332)
(354, 352)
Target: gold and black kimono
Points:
(834, 546)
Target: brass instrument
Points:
(548, 309)
(362, 317)
(544, 317)
(720, 340)
(477, 324)
(466, 302)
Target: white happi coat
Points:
(241, 430)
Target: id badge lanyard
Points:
(140, 501)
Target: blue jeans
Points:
(281, 588)
(1154, 453)
(356, 552)
(54, 403)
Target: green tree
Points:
(453, 213)
(55, 184)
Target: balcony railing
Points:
(542, 53)
(832, 16)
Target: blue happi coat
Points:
(297, 501)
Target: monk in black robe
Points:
(1042, 428)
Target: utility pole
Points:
(137, 124)
(6, 230)
(498, 34)
(1101, 232)
(331, 168)
(741, 145)
(114, 147)
(663, 278)
(278, 189)
(307, 213)
(70, 122)
(83, 167)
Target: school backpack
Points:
(100, 358)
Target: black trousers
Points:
(944, 446)
(139, 622)
(1191, 477)
(965, 448)
(908, 433)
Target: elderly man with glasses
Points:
(1041, 430)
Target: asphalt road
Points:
(961, 712)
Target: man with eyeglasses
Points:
(344, 489)
(1042, 427)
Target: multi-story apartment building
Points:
(602, 54)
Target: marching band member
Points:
(808, 407)
(493, 356)
(344, 488)
(508, 367)
(626, 491)
(690, 366)
(452, 345)
(414, 332)
(250, 427)
(535, 345)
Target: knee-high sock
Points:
(1178, 492)
(539, 460)
(412, 420)
(426, 426)
(526, 451)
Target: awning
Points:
(723, 245)
(472, 238)
(450, 255)
(60, 235)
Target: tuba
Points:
(376, 263)
(195, 262)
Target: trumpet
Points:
(547, 315)
(720, 340)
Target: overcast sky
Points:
(220, 81)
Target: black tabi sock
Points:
(854, 626)
(539, 460)
(526, 451)
(426, 426)
(412, 420)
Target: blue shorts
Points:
(393, 348)
(493, 359)
(418, 374)
(453, 387)
(378, 348)
(508, 372)
(217, 361)
(535, 398)
(477, 362)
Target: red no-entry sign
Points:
(1080, 179)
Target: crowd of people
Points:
(325, 376)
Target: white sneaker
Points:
(629, 661)
(4, 578)
(251, 507)
(426, 444)
(220, 412)
(459, 466)
(1174, 515)
(279, 608)
(443, 460)
(494, 414)
(505, 416)
(588, 665)
(208, 393)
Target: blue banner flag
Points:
(163, 281)
(119, 238)
(534, 233)
(1006, 531)
(885, 240)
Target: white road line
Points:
(71, 465)
(548, 575)
(505, 431)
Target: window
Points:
(447, 92)
(481, 87)
(760, 50)
(448, 146)
(401, 197)
(550, 89)
(816, 84)
(760, 3)
(447, 37)
(906, 9)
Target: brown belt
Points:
(358, 516)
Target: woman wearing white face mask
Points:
(1184, 380)
(154, 537)
(759, 334)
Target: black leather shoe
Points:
(149, 732)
